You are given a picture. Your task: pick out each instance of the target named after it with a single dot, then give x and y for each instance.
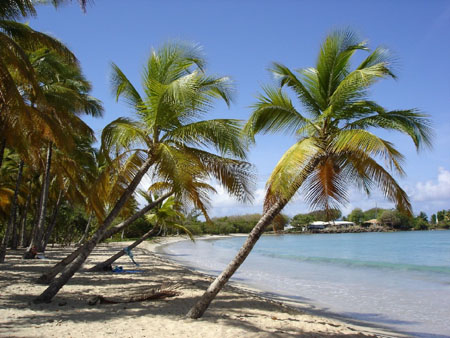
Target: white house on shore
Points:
(320, 225)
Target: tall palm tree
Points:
(168, 139)
(16, 70)
(335, 144)
(66, 96)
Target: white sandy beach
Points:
(234, 313)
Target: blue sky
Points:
(241, 38)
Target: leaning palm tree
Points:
(336, 145)
(168, 138)
(165, 216)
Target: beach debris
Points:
(161, 292)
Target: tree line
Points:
(389, 218)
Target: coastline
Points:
(285, 302)
(238, 311)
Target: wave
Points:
(363, 264)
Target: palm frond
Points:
(411, 122)
(123, 133)
(222, 134)
(364, 142)
(274, 112)
(286, 77)
(292, 169)
(122, 87)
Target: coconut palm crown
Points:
(168, 125)
(336, 145)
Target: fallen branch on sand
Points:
(154, 294)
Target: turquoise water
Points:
(397, 280)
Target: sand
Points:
(235, 312)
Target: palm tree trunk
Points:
(15, 226)
(23, 219)
(36, 240)
(113, 258)
(202, 304)
(12, 215)
(48, 276)
(2, 150)
(86, 249)
(15, 235)
(22, 222)
(86, 230)
(52, 223)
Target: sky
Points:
(240, 39)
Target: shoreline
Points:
(236, 312)
(301, 306)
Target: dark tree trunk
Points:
(22, 223)
(86, 249)
(15, 235)
(86, 230)
(202, 304)
(15, 238)
(51, 225)
(36, 240)
(2, 150)
(48, 276)
(12, 215)
(101, 266)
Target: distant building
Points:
(320, 225)
(342, 224)
(371, 222)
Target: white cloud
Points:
(222, 204)
(433, 190)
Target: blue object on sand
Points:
(119, 269)
(130, 254)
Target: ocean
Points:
(397, 280)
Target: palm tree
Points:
(12, 217)
(16, 70)
(167, 138)
(335, 143)
(164, 216)
(66, 96)
(16, 39)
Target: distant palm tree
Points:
(165, 216)
(336, 148)
(168, 138)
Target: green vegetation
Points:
(441, 219)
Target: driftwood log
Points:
(153, 294)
